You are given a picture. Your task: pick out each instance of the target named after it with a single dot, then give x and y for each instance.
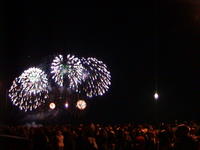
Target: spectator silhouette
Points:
(60, 140)
(164, 140)
(183, 140)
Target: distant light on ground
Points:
(156, 96)
(52, 106)
(81, 104)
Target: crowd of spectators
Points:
(165, 136)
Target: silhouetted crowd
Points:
(173, 136)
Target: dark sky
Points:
(141, 43)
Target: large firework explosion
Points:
(30, 89)
(86, 76)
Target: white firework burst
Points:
(69, 69)
(97, 78)
(30, 89)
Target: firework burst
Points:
(96, 77)
(30, 89)
(67, 71)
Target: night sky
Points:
(143, 44)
